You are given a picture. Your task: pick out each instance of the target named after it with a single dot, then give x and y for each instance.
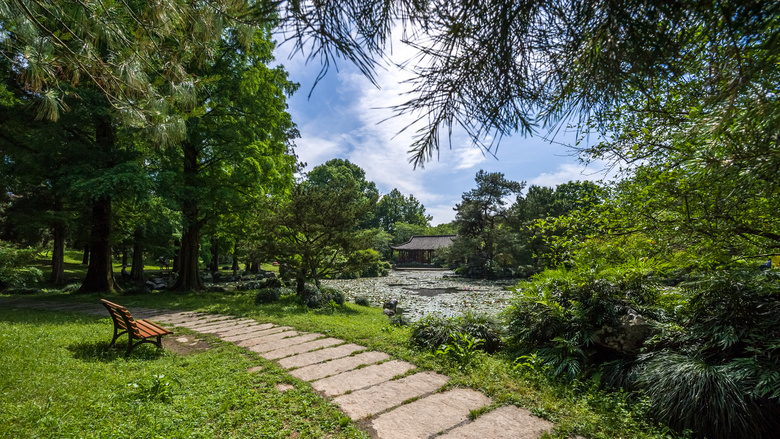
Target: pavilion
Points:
(422, 248)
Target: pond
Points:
(422, 292)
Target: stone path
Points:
(390, 398)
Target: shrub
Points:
(716, 369)
(561, 313)
(461, 348)
(362, 301)
(399, 320)
(311, 296)
(314, 297)
(16, 268)
(270, 295)
(483, 328)
(333, 294)
(712, 400)
(433, 331)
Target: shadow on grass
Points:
(93, 352)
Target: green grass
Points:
(60, 379)
(575, 409)
(75, 271)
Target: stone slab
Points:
(301, 347)
(376, 399)
(335, 367)
(272, 345)
(177, 317)
(226, 325)
(204, 322)
(256, 333)
(429, 415)
(508, 422)
(244, 330)
(267, 336)
(315, 357)
(360, 378)
(195, 319)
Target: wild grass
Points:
(578, 408)
(60, 379)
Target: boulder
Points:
(629, 336)
(390, 307)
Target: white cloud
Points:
(314, 150)
(569, 172)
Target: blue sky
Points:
(342, 118)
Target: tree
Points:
(237, 147)
(398, 208)
(316, 231)
(481, 216)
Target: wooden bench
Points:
(142, 330)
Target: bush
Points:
(711, 400)
(16, 268)
(561, 313)
(377, 269)
(433, 331)
(333, 294)
(715, 369)
(399, 320)
(314, 297)
(270, 295)
(362, 301)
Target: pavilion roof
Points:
(428, 242)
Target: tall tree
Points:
(482, 214)
(396, 207)
(238, 143)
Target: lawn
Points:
(59, 379)
(578, 408)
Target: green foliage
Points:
(399, 319)
(561, 311)
(333, 294)
(461, 349)
(433, 331)
(362, 301)
(711, 400)
(15, 267)
(271, 294)
(157, 388)
(397, 208)
(316, 232)
(314, 297)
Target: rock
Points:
(389, 312)
(627, 338)
(391, 305)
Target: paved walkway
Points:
(362, 383)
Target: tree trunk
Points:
(85, 258)
(214, 255)
(176, 263)
(100, 273)
(235, 265)
(58, 255)
(137, 272)
(254, 268)
(189, 275)
(124, 255)
(189, 255)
